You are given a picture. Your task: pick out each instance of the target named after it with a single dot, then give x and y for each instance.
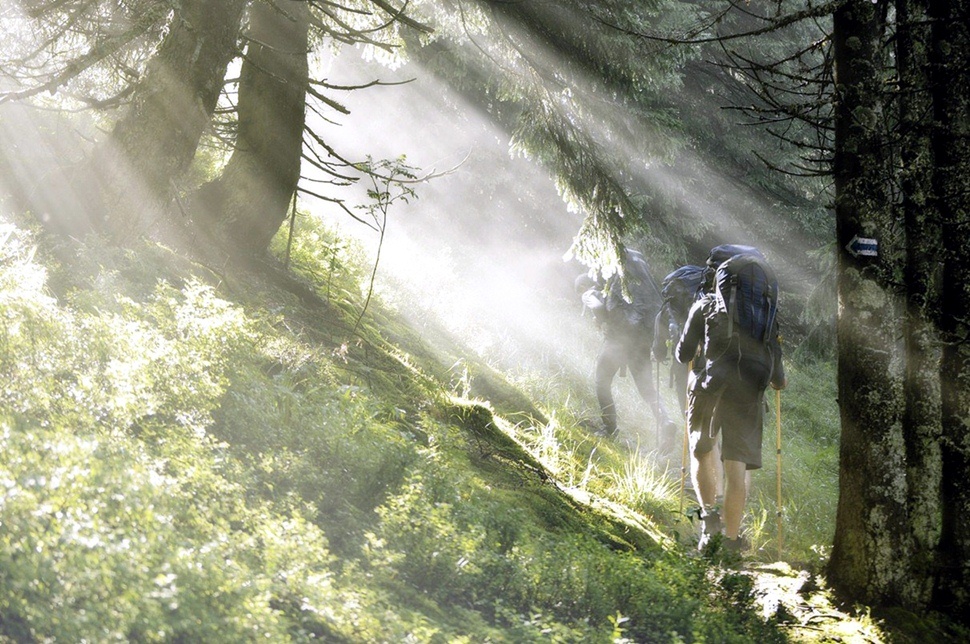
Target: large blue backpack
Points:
(640, 285)
(636, 308)
(680, 288)
(746, 290)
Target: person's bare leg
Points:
(718, 469)
(702, 473)
(735, 494)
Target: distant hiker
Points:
(627, 324)
(732, 334)
(679, 290)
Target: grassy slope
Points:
(199, 456)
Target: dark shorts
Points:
(735, 410)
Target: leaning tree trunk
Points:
(922, 421)
(951, 146)
(871, 516)
(156, 140)
(248, 202)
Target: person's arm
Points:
(692, 335)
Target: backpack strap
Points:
(772, 303)
(732, 306)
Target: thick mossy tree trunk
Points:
(871, 536)
(156, 140)
(922, 421)
(951, 146)
(247, 203)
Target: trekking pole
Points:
(683, 458)
(657, 412)
(778, 476)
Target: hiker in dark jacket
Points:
(627, 324)
(680, 290)
(726, 394)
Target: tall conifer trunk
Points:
(248, 202)
(922, 421)
(951, 146)
(872, 507)
(156, 140)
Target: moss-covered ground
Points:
(190, 453)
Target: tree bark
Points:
(872, 502)
(922, 420)
(248, 202)
(951, 146)
(156, 140)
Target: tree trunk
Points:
(155, 141)
(248, 202)
(872, 509)
(951, 146)
(922, 421)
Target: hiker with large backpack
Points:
(624, 309)
(679, 290)
(731, 334)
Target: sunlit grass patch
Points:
(641, 484)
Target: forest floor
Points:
(800, 601)
(795, 598)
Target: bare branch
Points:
(775, 24)
(327, 100)
(398, 15)
(339, 203)
(350, 88)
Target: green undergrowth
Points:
(195, 455)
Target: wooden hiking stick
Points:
(683, 468)
(657, 411)
(683, 459)
(778, 476)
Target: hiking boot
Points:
(735, 546)
(711, 526)
(608, 432)
(707, 541)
